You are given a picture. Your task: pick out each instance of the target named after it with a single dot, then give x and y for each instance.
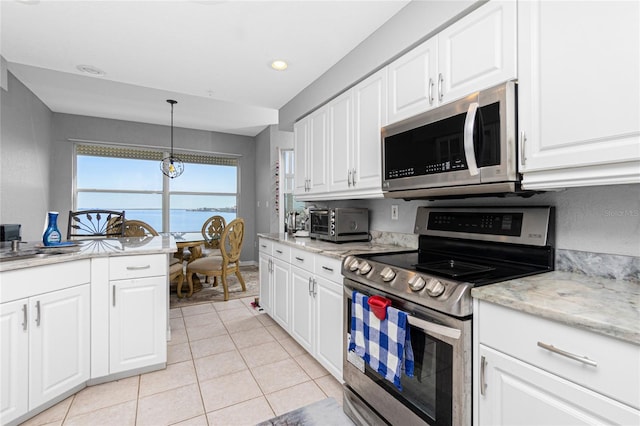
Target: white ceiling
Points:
(213, 57)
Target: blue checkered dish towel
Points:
(384, 345)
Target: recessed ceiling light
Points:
(90, 69)
(279, 65)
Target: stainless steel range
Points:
(459, 248)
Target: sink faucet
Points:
(15, 244)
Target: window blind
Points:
(144, 154)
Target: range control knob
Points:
(387, 274)
(417, 283)
(435, 288)
(353, 264)
(364, 268)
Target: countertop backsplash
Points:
(612, 266)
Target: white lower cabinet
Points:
(281, 306)
(45, 335)
(138, 312)
(137, 332)
(534, 371)
(316, 306)
(306, 296)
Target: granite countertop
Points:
(85, 250)
(602, 305)
(335, 250)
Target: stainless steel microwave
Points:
(339, 224)
(464, 148)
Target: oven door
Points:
(440, 391)
(319, 222)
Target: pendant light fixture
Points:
(172, 166)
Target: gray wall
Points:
(268, 144)
(66, 127)
(25, 148)
(415, 23)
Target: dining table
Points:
(193, 242)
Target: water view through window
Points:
(136, 186)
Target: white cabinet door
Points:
(302, 307)
(329, 325)
(340, 141)
(281, 293)
(59, 343)
(137, 323)
(317, 153)
(412, 81)
(301, 149)
(478, 51)
(578, 103)
(369, 115)
(14, 365)
(518, 393)
(264, 265)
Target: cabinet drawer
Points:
(281, 251)
(27, 282)
(518, 334)
(329, 268)
(302, 259)
(265, 246)
(126, 267)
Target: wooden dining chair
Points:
(228, 263)
(95, 224)
(138, 228)
(212, 233)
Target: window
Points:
(116, 178)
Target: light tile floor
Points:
(227, 364)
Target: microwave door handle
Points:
(469, 152)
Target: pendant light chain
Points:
(172, 166)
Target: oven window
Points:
(320, 223)
(428, 392)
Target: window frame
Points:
(166, 192)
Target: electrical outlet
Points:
(394, 212)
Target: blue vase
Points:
(51, 235)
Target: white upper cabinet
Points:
(310, 145)
(579, 86)
(338, 145)
(474, 53)
(412, 81)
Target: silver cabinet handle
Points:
(263, 246)
(349, 178)
(24, 317)
(38, 313)
(113, 290)
(440, 84)
(310, 288)
(430, 91)
(326, 268)
(523, 140)
(279, 251)
(353, 178)
(483, 382)
(582, 359)
(137, 268)
(299, 259)
(314, 287)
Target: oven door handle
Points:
(469, 151)
(432, 328)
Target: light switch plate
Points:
(394, 212)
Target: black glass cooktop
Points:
(472, 270)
